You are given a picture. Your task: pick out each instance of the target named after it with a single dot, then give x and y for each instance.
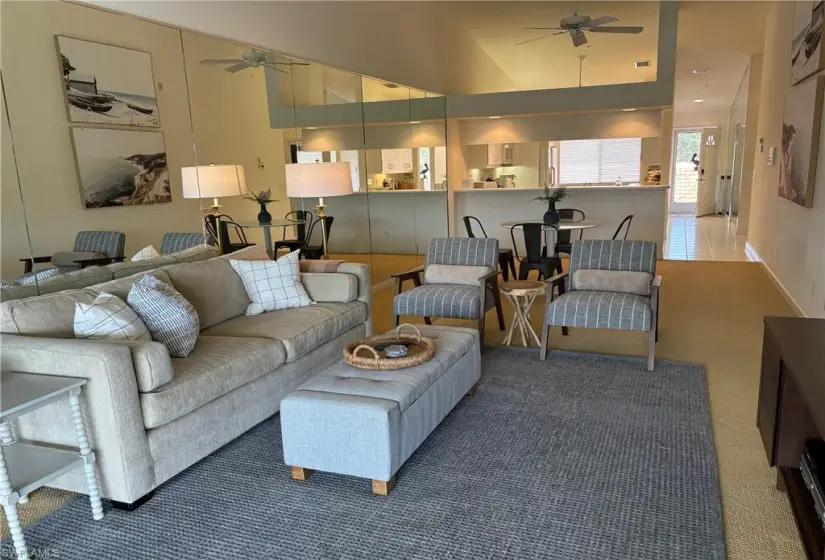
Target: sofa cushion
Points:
(128, 268)
(76, 279)
(330, 286)
(600, 310)
(212, 287)
(50, 315)
(148, 252)
(454, 274)
(122, 286)
(299, 330)
(216, 366)
(194, 254)
(8, 293)
(251, 253)
(625, 281)
(108, 318)
(272, 285)
(170, 318)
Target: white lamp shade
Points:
(213, 181)
(318, 180)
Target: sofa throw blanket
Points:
(108, 318)
(170, 317)
(272, 285)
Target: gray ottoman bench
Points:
(368, 423)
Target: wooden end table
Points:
(522, 294)
(25, 467)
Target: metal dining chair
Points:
(317, 251)
(218, 228)
(563, 242)
(536, 254)
(627, 220)
(301, 231)
(505, 256)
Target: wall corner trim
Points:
(754, 257)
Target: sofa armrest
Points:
(330, 286)
(362, 274)
(110, 403)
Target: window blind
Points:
(600, 161)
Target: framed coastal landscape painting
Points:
(801, 120)
(106, 84)
(806, 48)
(118, 167)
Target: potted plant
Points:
(551, 196)
(263, 198)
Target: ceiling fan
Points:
(576, 25)
(250, 59)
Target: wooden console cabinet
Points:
(792, 410)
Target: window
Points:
(600, 161)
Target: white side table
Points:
(522, 294)
(25, 467)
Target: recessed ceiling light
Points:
(629, 109)
(415, 122)
(495, 117)
(698, 100)
(700, 71)
(311, 127)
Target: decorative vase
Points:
(264, 217)
(551, 217)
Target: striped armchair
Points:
(627, 301)
(174, 242)
(459, 282)
(91, 248)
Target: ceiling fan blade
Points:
(542, 28)
(579, 39)
(210, 61)
(601, 21)
(237, 67)
(534, 39)
(293, 63)
(617, 29)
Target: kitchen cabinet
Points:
(500, 154)
(396, 161)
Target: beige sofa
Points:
(97, 274)
(151, 416)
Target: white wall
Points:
(751, 117)
(789, 239)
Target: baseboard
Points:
(753, 255)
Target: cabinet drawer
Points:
(769, 395)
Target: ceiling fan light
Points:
(700, 71)
(698, 100)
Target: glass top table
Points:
(276, 223)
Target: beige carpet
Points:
(711, 314)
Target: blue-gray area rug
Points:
(579, 457)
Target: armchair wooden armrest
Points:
(27, 262)
(491, 277)
(409, 274)
(100, 261)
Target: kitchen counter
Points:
(599, 188)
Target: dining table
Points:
(551, 230)
(267, 228)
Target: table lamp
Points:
(213, 181)
(310, 180)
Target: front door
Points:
(708, 192)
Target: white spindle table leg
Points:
(86, 453)
(7, 438)
(9, 500)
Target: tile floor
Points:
(710, 238)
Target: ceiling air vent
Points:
(642, 63)
(391, 86)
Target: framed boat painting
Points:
(806, 48)
(105, 84)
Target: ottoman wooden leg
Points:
(300, 473)
(382, 487)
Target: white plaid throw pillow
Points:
(108, 317)
(148, 252)
(272, 285)
(169, 316)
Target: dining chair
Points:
(505, 255)
(535, 257)
(219, 226)
(563, 243)
(317, 251)
(300, 230)
(627, 220)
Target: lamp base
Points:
(320, 211)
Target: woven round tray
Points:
(363, 354)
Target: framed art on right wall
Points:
(801, 120)
(806, 49)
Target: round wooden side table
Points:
(522, 294)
